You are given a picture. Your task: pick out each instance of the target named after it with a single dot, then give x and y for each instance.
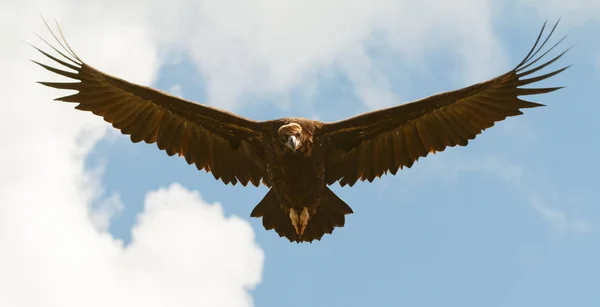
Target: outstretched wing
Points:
(227, 145)
(371, 144)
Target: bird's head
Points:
(291, 136)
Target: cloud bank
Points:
(53, 213)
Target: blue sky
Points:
(421, 238)
(510, 220)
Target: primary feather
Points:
(214, 140)
(369, 145)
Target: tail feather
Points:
(273, 217)
(331, 214)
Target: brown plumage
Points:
(298, 158)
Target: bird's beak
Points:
(293, 143)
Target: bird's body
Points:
(299, 158)
(297, 180)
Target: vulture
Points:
(297, 158)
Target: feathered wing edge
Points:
(214, 140)
(366, 146)
(526, 63)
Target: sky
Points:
(89, 219)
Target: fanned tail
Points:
(331, 214)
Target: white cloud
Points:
(54, 249)
(559, 219)
(193, 254)
(574, 13)
(183, 251)
(268, 48)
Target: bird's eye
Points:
(283, 138)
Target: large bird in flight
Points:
(298, 158)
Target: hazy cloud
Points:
(538, 193)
